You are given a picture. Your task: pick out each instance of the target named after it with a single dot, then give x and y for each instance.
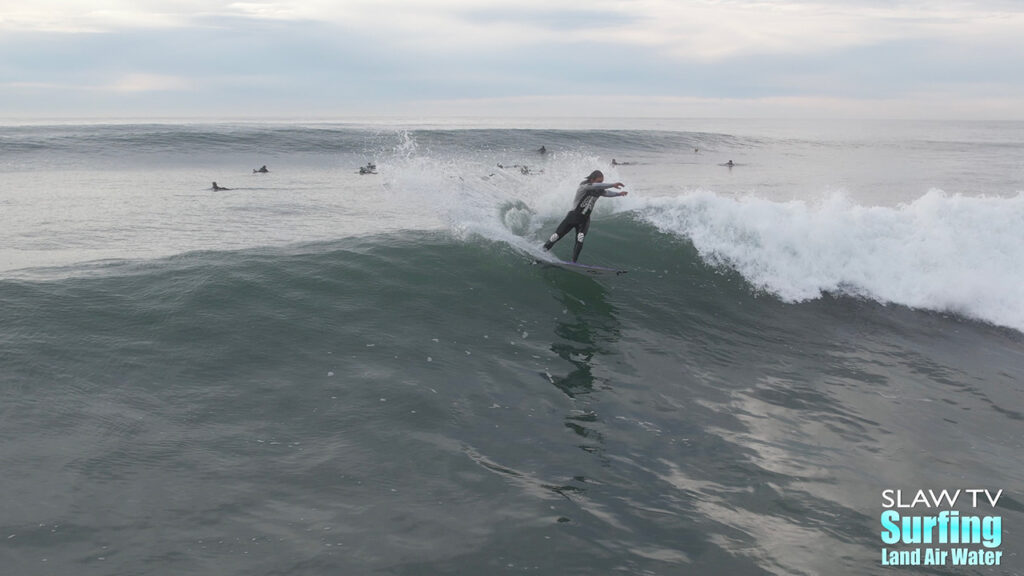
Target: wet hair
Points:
(593, 176)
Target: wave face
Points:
(373, 375)
(422, 404)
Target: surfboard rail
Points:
(582, 268)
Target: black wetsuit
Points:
(579, 217)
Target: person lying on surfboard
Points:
(590, 190)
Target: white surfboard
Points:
(583, 268)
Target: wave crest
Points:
(940, 252)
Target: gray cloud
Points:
(276, 57)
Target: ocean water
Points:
(321, 372)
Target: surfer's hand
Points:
(617, 185)
(623, 193)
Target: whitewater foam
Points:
(941, 252)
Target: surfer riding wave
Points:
(578, 218)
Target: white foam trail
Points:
(941, 252)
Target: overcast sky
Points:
(654, 58)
